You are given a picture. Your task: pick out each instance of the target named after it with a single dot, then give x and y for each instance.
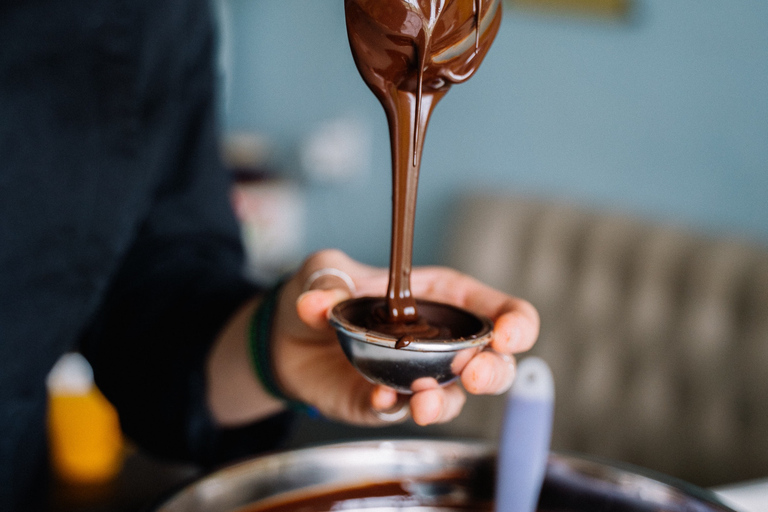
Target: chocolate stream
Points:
(410, 52)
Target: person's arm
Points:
(235, 395)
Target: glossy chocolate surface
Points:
(454, 323)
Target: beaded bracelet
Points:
(260, 347)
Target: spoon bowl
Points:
(421, 361)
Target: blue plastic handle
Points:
(525, 438)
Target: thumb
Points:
(314, 307)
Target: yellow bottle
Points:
(84, 432)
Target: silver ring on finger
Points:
(329, 271)
(394, 415)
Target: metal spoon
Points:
(376, 357)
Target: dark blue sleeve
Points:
(175, 288)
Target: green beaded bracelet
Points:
(260, 347)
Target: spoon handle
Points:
(525, 437)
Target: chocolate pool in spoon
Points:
(410, 52)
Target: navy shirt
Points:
(116, 235)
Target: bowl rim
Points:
(627, 477)
(480, 338)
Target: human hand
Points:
(311, 367)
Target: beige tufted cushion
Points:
(658, 338)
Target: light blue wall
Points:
(665, 116)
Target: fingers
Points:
(327, 278)
(429, 405)
(437, 405)
(516, 321)
(383, 398)
(331, 268)
(314, 306)
(322, 282)
(516, 331)
(489, 373)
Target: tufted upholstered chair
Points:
(658, 338)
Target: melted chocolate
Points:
(333, 499)
(378, 320)
(410, 52)
(454, 323)
(385, 495)
(405, 340)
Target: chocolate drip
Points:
(410, 52)
(477, 7)
(405, 340)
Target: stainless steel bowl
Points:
(572, 484)
(374, 355)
